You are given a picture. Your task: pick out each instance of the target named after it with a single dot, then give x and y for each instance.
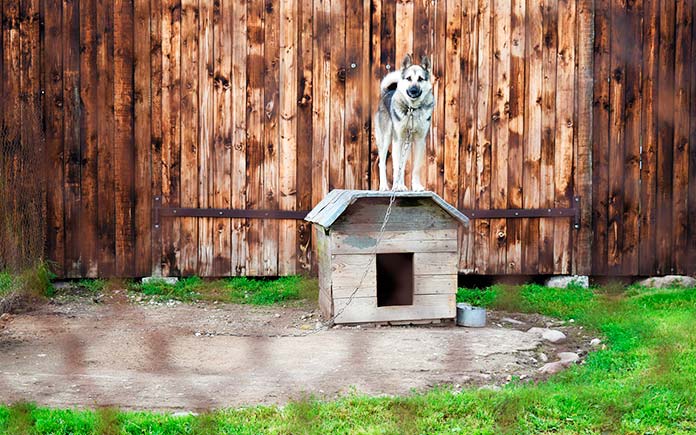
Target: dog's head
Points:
(415, 79)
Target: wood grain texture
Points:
(600, 137)
(548, 130)
(156, 161)
(500, 118)
(206, 128)
(240, 251)
(287, 154)
(142, 137)
(565, 133)
(337, 90)
(221, 181)
(193, 136)
(531, 184)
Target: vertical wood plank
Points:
(680, 179)
(691, 255)
(548, 101)
(304, 132)
(418, 18)
(287, 147)
(516, 138)
(356, 106)
(648, 180)
(271, 135)
(255, 138)
(665, 135)
(52, 65)
(337, 85)
(633, 104)
(452, 101)
(221, 184)
(123, 137)
(157, 162)
(435, 154)
(321, 79)
(582, 242)
(500, 109)
(366, 91)
(193, 136)
(71, 132)
(600, 137)
(89, 137)
(483, 137)
(239, 151)
(206, 130)
(617, 140)
(531, 183)
(143, 171)
(171, 134)
(565, 133)
(467, 126)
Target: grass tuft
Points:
(243, 290)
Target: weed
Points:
(92, 285)
(264, 292)
(186, 289)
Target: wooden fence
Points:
(266, 105)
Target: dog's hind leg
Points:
(383, 137)
(418, 155)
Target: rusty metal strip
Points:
(160, 211)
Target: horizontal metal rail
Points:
(510, 213)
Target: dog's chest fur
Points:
(401, 113)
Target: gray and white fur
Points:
(402, 120)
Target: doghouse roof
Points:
(338, 200)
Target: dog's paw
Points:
(399, 187)
(383, 187)
(417, 187)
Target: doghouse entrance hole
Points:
(394, 279)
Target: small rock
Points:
(197, 334)
(668, 281)
(306, 327)
(568, 357)
(566, 280)
(5, 317)
(276, 315)
(552, 368)
(511, 320)
(536, 331)
(171, 280)
(553, 336)
(595, 342)
(543, 357)
(318, 325)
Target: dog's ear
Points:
(425, 63)
(406, 62)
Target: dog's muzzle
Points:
(414, 91)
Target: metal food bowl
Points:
(473, 317)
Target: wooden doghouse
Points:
(411, 274)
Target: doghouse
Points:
(410, 275)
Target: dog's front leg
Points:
(399, 157)
(418, 155)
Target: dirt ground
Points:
(172, 356)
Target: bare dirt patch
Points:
(202, 356)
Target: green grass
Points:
(92, 285)
(239, 290)
(6, 283)
(644, 382)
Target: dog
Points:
(402, 119)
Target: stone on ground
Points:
(171, 280)
(550, 335)
(595, 342)
(566, 280)
(552, 368)
(568, 357)
(668, 281)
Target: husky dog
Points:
(403, 118)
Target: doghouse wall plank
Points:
(268, 104)
(425, 307)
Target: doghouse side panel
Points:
(324, 263)
(425, 307)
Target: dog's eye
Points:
(420, 79)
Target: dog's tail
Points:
(390, 81)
